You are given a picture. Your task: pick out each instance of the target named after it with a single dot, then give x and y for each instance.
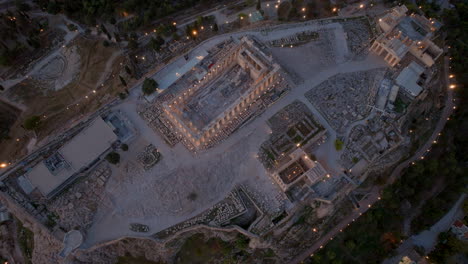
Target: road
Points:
(428, 238)
(374, 194)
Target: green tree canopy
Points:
(32, 122)
(149, 86)
(113, 157)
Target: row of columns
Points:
(390, 58)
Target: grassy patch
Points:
(197, 250)
(291, 132)
(339, 144)
(297, 139)
(26, 241)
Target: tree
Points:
(156, 43)
(259, 5)
(5, 59)
(122, 80)
(465, 206)
(175, 36)
(149, 86)
(338, 144)
(112, 20)
(122, 96)
(132, 44)
(124, 147)
(331, 254)
(242, 242)
(22, 6)
(105, 43)
(53, 7)
(127, 69)
(32, 122)
(215, 27)
(117, 37)
(113, 157)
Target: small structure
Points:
(299, 167)
(255, 16)
(393, 94)
(83, 151)
(220, 96)
(410, 79)
(460, 230)
(149, 157)
(135, 227)
(404, 34)
(4, 214)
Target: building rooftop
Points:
(458, 223)
(76, 154)
(409, 77)
(255, 17)
(412, 29)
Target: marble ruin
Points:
(214, 105)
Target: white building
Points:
(404, 34)
(58, 170)
(410, 78)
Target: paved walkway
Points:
(428, 238)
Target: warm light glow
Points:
(361, 6)
(194, 32)
(451, 76)
(303, 9)
(334, 9)
(174, 23)
(452, 86)
(3, 165)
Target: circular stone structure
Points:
(53, 69)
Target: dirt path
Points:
(107, 71)
(428, 238)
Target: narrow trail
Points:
(107, 70)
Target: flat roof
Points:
(412, 28)
(79, 152)
(409, 77)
